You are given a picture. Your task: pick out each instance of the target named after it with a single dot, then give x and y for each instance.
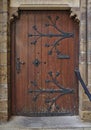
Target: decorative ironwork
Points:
(34, 83)
(62, 56)
(60, 91)
(83, 84)
(36, 62)
(60, 35)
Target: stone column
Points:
(3, 60)
(85, 58)
(89, 44)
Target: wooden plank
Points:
(21, 52)
(31, 57)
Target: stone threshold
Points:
(59, 122)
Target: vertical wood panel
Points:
(31, 57)
(21, 52)
(38, 70)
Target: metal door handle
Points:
(83, 84)
(18, 64)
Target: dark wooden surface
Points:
(22, 101)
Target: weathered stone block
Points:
(5, 16)
(3, 39)
(1, 17)
(89, 46)
(82, 57)
(89, 73)
(83, 4)
(83, 15)
(3, 79)
(80, 96)
(3, 105)
(3, 93)
(4, 27)
(83, 71)
(83, 31)
(3, 70)
(85, 97)
(5, 3)
(3, 58)
(3, 116)
(1, 7)
(89, 57)
(83, 46)
(89, 32)
(3, 46)
(0, 28)
(86, 105)
(3, 85)
(85, 115)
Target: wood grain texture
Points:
(23, 47)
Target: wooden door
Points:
(44, 57)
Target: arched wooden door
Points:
(44, 56)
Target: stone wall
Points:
(3, 60)
(84, 42)
(85, 57)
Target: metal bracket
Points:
(18, 65)
(82, 83)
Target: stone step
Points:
(12, 128)
(46, 123)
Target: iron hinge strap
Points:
(82, 83)
(65, 91)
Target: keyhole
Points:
(45, 62)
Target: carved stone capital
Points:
(13, 12)
(75, 12)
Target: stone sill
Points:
(63, 122)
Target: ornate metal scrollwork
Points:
(60, 35)
(60, 91)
